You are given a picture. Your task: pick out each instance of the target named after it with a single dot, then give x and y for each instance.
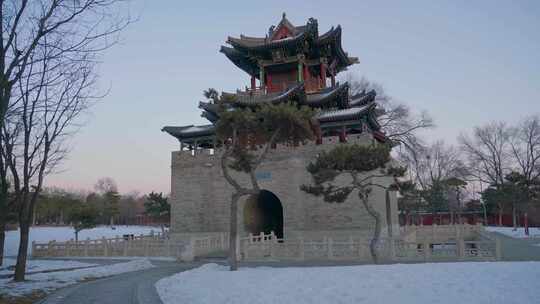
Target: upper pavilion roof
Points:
(246, 51)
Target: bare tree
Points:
(433, 164)
(49, 53)
(488, 152)
(110, 199)
(397, 120)
(105, 184)
(489, 156)
(525, 146)
(431, 168)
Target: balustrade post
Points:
(34, 248)
(427, 251)
(271, 247)
(146, 247)
(168, 246)
(302, 249)
(461, 248)
(238, 248)
(50, 248)
(105, 247)
(126, 246)
(86, 247)
(498, 249)
(67, 249)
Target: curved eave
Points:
(363, 98)
(240, 60)
(324, 98)
(372, 120)
(259, 45)
(211, 117)
(184, 132)
(295, 93)
(333, 37)
(346, 114)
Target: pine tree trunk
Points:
(3, 219)
(514, 215)
(20, 267)
(233, 232)
(2, 239)
(374, 243)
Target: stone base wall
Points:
(200, 195)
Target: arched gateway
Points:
(264, 213)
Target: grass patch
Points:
(26, 299)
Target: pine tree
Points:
(363, 164)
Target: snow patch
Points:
(443, 283)
(41, 265)
(534, 232)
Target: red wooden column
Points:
(323, 74)
(343, 135)
(253, 84)
(269, 82)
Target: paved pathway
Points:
(128, 288)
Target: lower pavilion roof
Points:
(344, 114)
(335, 109)
(295, 92)
(326, 118)
(189, 132)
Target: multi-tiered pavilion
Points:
(292, 63)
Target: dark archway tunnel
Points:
(264, 213)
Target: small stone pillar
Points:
(498, 250)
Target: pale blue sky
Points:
(465, 62)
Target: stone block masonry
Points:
(200, 195)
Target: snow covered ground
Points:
(41, 265)
(46, 234)
(54, 280)
(534, 232)
(443, 283)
